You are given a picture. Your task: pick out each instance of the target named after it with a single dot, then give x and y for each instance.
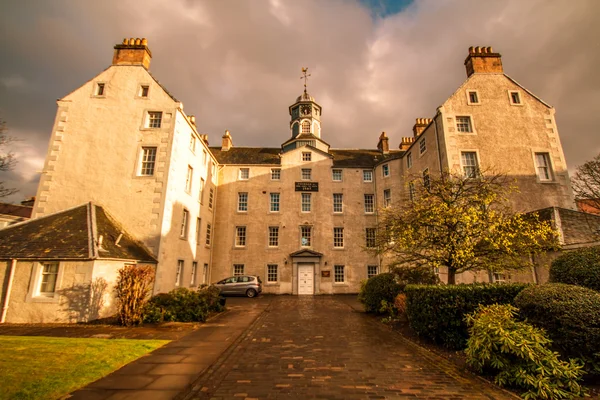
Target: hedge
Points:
(438, 312)
(579, 267)
(183, 305)
(377, 288)
(570, 315)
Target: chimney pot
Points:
(144, 42)
(133, 51)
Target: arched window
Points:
(306, 127)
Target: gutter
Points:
(13, 267)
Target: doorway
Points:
(306, 276)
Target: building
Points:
(13, 213)
(300, 214)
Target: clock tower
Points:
(305, 113)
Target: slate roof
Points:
(15, 210)
(577, 228)
(71, 234)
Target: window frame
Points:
(370, 237)
(369, 274)
(549, 166)
(185, 217)
(426, 182)
(198, 229)
(519, 97)
(333, 175)
(273, 236)
(371, 203)
(385, 170)
(179, 272)
(306, 156)
(242, 203)
(338, 237)
(243, 174)
(304, 172)
(143, 160)
(193, 141)
(99, 89)
(338, 203)
(194, 276)
(471, 124)
(274, 202)
(337, 274)
(238, 269)
(240, 236)
(208, 238)
(151, 118)
(473, 103)
(211, 197)
(463, 165)
(278, 170)
(308, 229)
(387, 198)
(144, 91)
(411, 191)
(189, 176)
(305, 206)
(409, 162)
(269, 274)
(370, 172)
(422, 146)
(55, 286)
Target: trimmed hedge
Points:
(438, 312)
(377, 288)
(183, 305)
(579, 267)
(570, 315)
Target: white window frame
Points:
(100, 89)
(270, 274)
(369, 205)
(43, 274)
(370, 236)
(238, 269)
(211, 197)
(306, 202)
(385, 170)
(303, 229)
(338, 237)
(273, 238)
(193, 143)
(194, 273)
(369, 173)
(188, 179)
(179, 272)
(244, 174)
(510, 97)
(242, 205)
(549, 165)
(305, 127)
(151, 120)
(275, 174)
(338, 203)
(185, 221)
(274, 202)
(198, 227)
(306, 156)
(370, 268)
(387, 197)
(337, 171)
(471, 103)
(463, 165)
(141, 91)
(208, 234)
(471, 124)
(422, 146)
(146, 160)
(339, 274)
(411, 191)
(204, 273)
(240, 236)
(408, 160)
(306, 172)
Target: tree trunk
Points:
(451, 276)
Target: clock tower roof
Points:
(305, 97)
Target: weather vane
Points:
(305, 77)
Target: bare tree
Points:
(7, 159)
(586, 182)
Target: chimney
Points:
(483, 60)
(192, 119)
(204, 138)
(132, 52)
(420, 125)
(227, 142)
(406, 142)
(383, 145)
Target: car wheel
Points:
(251, 293)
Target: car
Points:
(247, 285)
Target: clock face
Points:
(305, 110)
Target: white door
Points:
(306, 279)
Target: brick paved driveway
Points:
(319, 347)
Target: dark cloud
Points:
(235, 64)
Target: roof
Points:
(85, 232)
(15, 210)
(575, 227)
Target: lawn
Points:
(34, 367)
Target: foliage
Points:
(418, 275)
(518, 353)
(382, 287)
(400, 303)
(578, 267)
(34, 367)
(183, 305)
(462, 224)
(437, 312)
(586, 182)
(7, 159)
(571, 316)
(133, 287)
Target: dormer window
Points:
(305, 127)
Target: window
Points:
(194, 272)
(273, 236)
(201, 193)
(242, 202)
(188, 179)
(238, 269)
(387, 197)
(463, 124)
(338, 202)
(422, 146)
(204, 273)
(208, 234)
(271, 273)
(211, 195)
(184, 224)
(338, 237)
(385, 169)
(305, 236)
(240, 236)
(244, 174)
(409, 160)
(372, 270)
(306, 174)
(367, 175)
(306, 204)
(472, 96)
(148, 161)
(515, 98)
(193, 143)
(48, 282)
(305, 127)
(426, 180)
(338, 273)
(369, 203)
(154, 119)
(500, 277)
(336, 175)
(274, 202)
(275, 174)
(306, 156)
(370, 237)
(204, 157)
(144, 90)
(198, 224)
(411, 191)
(179, 272)
(542, 161)
(469, 164)
(100, 89)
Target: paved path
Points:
(319, 347)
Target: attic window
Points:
(99, 89)
(473, 98)
(144, 90)
(515, 98)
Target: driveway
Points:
(322, 347)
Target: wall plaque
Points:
(307, 186)
(325, 274)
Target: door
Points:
(306, 278)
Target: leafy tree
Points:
(7, 160)
(462, 224)
(586, 182)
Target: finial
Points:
(305, 77)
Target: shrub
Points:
(518, 354)
(571, 316)
(579, 267)
(132, 290)
(382, 287)
(183, 305)
(416, 275)
(400, 303)
(437, 312)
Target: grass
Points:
(35, 367)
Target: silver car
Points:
(248, 285)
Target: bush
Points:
(579, 267)
(438, 312)
(183, 305)
(382, 287)
(132, 290)
(400, 304)
(518, 354)
(416, 275)
(571, 316)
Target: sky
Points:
(375, 65)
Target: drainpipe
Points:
(13, 267)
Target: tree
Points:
(586, 182)
(7, 160)
(463, 224)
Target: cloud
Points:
(235, 64)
